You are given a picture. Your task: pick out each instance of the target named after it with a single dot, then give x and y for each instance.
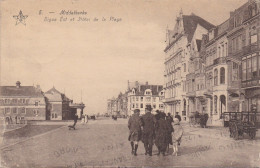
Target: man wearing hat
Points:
(148, 129)
(134, 125)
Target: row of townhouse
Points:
(22, 103)
(214, 69)
(137, 96)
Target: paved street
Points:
(104, 143)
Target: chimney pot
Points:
(18, 84)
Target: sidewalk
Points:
(218, 132)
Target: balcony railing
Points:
(250, 48)
(220, 60)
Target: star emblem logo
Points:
(20, 18)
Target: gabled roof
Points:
(190, 23)
(52, 91)
(53, 95)
(28, 91)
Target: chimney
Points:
(231, 13)
(18, 84)
(136, 84)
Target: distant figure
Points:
(148, 130)
(178, 116)
(134, 125)
(75, 122)
(176, 135)
(86, 118)
(82, 119)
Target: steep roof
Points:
(190, 23)
(156, 89)
(53, 90)
(28, 91)
(53, 95)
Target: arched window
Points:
(222, 75)
(216, 77)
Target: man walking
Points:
(148, 130)
(134, 125)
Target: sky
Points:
(93, 60)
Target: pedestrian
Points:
(86, 118)
(135, 132)
(176, 135)
(169, 120)
(148, 130)
(82, 119)
(161, 137)
(157, 115)
(178, 116)
(75, 120)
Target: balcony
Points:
(220, 60)
(250, 84)
(250, 48)
(168, 100)
(191, 94)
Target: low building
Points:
(60, 107)
(18, 103)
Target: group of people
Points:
(159, 129)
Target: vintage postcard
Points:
(129, 83)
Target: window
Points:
(249, 68)
(35, 112)
(133, 105)
(142, 98)
(154, 99)
(7, 110)
(55, 115)
(154, 106)
(148, 99)
(161, 106)
(216, 77)
(141, 105)
(14, 110)
(222, 75)
(137, 105)
(137, 98)
(234, 71)
(23, 101)
(254, 67)
(14, 101)
(36, 103)
(6, 101)
(21, 110)
(253, 38)
(244, 70)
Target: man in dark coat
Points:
(134, 125)
(169, 120)
(161, 138)
(148, 130)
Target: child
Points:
(176, 135)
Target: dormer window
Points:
(148, 92)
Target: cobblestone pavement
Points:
(104, 143)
